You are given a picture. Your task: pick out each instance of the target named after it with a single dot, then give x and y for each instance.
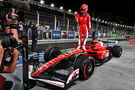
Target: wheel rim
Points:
(88, 70)
(120, 51)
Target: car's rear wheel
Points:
(117, 51)
(85, 64)
(51, 53)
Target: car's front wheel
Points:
(85, 64)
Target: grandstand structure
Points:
(58, 17)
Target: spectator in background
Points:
(34, 37)
(38, 27)
(40, 31)
(20, 29)
(26, 27)
(44, 32)
(42, 27)
(73, 28)
(58, 28)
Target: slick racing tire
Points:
(34, 59)
(21, 86)
(85, 64)
(51, 53)
(32, 84)
(117, 51)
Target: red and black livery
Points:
(60, 69)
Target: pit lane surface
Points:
(117, 74)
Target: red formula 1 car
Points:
(60, 69)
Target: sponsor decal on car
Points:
(73, 75)
(56, 83)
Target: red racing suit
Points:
(84, 27)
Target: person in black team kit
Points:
(34, 37)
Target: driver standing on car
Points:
(83, 19)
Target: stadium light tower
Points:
(92, 18)
(52, 5)
(69, 10)
(99, 20)
(95, 19)
(102, 21)
(106, 22)
(42, 1)
(75, 12)
(61, 8)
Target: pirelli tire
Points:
(51, 53)
(117, 51)
(86, 67)
(32, 84)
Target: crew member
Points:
(83, 19)
(34, 37)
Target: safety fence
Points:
(61, 26)
(54, 34)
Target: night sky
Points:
(120, 11)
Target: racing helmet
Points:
(84, 8)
